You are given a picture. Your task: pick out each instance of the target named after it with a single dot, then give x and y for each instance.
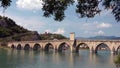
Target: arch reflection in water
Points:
(63, 47)
(102, 48)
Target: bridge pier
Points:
(93, 51)
(73, 50)
(114, 52)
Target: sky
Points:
(28, 13)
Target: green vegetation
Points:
(8, 27)
(5, 4)
(117, 61)
(50, 36)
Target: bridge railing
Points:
(66, 40)
(42, 41)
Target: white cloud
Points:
(104, 25)
(48, 31)
(100, 32)
(96, 25)
(30, 23)
(29, 4)
(75, 1)
(58, 31)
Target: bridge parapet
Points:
(39, 41)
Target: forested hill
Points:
(50, 36)
(10, 31)
(8, 27)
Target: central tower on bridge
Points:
(72, 36)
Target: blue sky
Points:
(28, 14)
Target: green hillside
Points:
(50, 36)
(10, 31)
(8, 27)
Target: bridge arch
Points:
(12, 46)
(48, 46)
(36, 46)
(82, 45)
(102, 45)
(26, 47)
(19, 47)
(63, 46)
(118, 49)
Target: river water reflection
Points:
(39, 59)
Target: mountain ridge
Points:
(100, 38)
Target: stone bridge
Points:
(73, 45)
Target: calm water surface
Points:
(38, 59)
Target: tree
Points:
(115, 6)
(56, 8)
(84, 8)
(5, 4)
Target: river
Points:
(10, 58)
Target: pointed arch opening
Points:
(63, 47)
(48, 47)
(36, 47)
(26, 47)
(118, 49)
(102, 48)
(82, 47)
(12, 46)
(19, 47)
